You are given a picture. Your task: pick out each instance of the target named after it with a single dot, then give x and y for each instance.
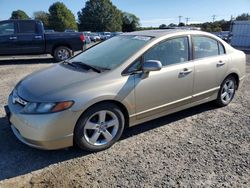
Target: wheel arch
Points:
(60, 45)
(122, 107)
(236, 76)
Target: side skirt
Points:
(134, 121)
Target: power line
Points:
(187, 20)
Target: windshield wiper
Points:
(84, 65)
(79, 64)
(70, 64)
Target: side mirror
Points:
(151, 65)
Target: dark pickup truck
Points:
(18, 37)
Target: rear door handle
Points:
(38, 37)
(186, 71)
(220, 63)
(13, 38)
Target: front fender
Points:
(121, 91)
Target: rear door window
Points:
(27, 27)
(205, 47)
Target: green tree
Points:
(147, 28)
(221, 25)
(163, 26)
(19, 15)
(100, 15)
(42, 16)
(129, 22)
(244, 16)
(172, 25)
(225, 25)
(181, 24)
(215, 26)
(61, 17)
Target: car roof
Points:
(163, 32)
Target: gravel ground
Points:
(200, 147)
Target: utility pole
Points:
(213, 17)
(231, 24)
(187, 20)
(232, 17)
(180, 19)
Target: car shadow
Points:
(18, 159)
(166, 120)
(24, 61)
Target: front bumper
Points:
(43, 131)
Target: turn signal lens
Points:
(62, 106)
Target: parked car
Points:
(105, 35)
(70, 31)
(95, 37)
(223, 35)
(19, 37)
(113, 34)
(87, 35)
(126, 80)
(49, 31)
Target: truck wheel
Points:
(62, 53)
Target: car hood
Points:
(55, 79)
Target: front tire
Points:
(62, 53)
(226, 92)
(99, 127)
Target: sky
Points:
(151, 12)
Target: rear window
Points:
(27, 27)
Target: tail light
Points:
(82, 37)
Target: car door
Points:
(210, 63)
(170, 87)
(7, 38)
(29, 39)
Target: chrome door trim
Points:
(177, 101)
(207, 91)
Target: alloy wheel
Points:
(101, 128)
(227, 92)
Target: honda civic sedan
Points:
(132, 78)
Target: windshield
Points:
(113, 52)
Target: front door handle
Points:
(38, 37)
(13, 38)
(220, 63)
(186, 71)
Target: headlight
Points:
(42, 108)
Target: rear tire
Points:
(62, 53)
(226, 92)
(99, 127)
